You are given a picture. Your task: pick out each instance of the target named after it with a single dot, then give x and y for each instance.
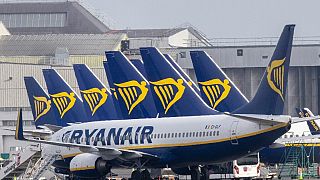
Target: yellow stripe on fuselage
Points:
(280, 125)
(207, 142)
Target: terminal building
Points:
(56, 34)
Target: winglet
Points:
(19, 127)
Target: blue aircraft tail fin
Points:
(97, 98)
(171, 92)
(131, 87)
(40, 103)
(312, 124)
(68, 107)
(270, 96)
(217, 90)
(112, 90)
(139, 65)
(300, 112)
(19, 127)
(182, 73)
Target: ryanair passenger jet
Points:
(198, 135)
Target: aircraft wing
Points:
(297, 139)
(34, 132)
(106, 152)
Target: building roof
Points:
(46, 45)
(157, 33)
(141, 33)
(78, 20)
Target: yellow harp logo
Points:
(166, 92)
(275, 76)
(114, 92)
(41, 105)
(63, 101)
(130, 94)
(215, 90)
(95, 98)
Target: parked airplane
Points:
(139, 65)
(217, 90)
(131, 88)
(182, 73)
(313, 125)
(40, 104)
(98, 101)
(67, 105)
(113, 90)
(203, 137)
(299, 134)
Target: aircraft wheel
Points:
(136, 175)
(195, 174)
(145, 175)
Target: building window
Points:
(14, 123)
(239, 52)
(264, 57)
(19, 20)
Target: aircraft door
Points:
(233, 133)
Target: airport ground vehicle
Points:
(247, 167)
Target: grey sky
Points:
(216, 18)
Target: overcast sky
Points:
(215, 18)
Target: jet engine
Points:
(89, 165)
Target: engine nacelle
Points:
(89, 165)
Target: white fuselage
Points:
(155, 133)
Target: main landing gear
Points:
(200, 173)
(140, 175)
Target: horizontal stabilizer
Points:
(262, 118)
(298, 119)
